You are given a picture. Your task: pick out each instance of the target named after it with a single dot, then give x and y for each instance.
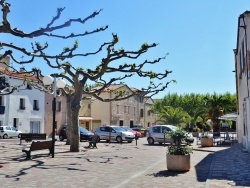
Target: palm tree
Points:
(173, 116)
(217, 104)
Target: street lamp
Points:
(48, 80)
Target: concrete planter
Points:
(195, 134)
(206, 142)
(178, 162)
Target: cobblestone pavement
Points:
(124, 165)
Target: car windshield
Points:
(127, 128)
(83, 130)
(119, 129)
(172, 127)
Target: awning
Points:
(85, 118)
(231, 116)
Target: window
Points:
(149, 113)
(141, 113)
(125, 109)
(166, 129)
(1, 100)
(35, 105)
(128, 109)
(134, 111)
(22, 104)
(58, 106)
(117, 109)
(15, 122)
(156, 129)
(2, 107)
(8, 128)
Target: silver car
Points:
(116, 133)
(156, 134)
(7, 131)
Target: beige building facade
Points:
(132, 111)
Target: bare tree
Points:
(78, 78)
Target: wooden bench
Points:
(28, 137)
(38, 146)
(92, 142)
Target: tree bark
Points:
(69, 117)
(75, 108)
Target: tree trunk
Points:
(69, 117)
(75, 108)
(74, 137)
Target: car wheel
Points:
(61, 138)
(160, 143)
(19, 136)
(119, 139)
(5, 136)
(150, 141)
(129, 141)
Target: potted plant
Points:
(206, 140)
(178, 155)
(196, 131)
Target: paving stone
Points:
(122, 165)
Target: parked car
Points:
(113, 132)
(84, 134)
(7, 131)
(156, 134)
(136, 133)
(139, 128)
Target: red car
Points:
(136, 133)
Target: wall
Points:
(27, 115)
(61, 117)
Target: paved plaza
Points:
(124, 165)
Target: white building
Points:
(23, 109)
(242, 73)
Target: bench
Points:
(92, 142)
(38, 146)
(28, 137)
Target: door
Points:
(87, 125)
(34, 127)
(156, 134)
(104, 133)
(121, 123)
(14, 131)
(15, 123)
(9, 131)
(167, 131)
(131, 124)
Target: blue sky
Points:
(198, 35)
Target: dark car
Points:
(84, 134)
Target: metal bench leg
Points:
(28, 154)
